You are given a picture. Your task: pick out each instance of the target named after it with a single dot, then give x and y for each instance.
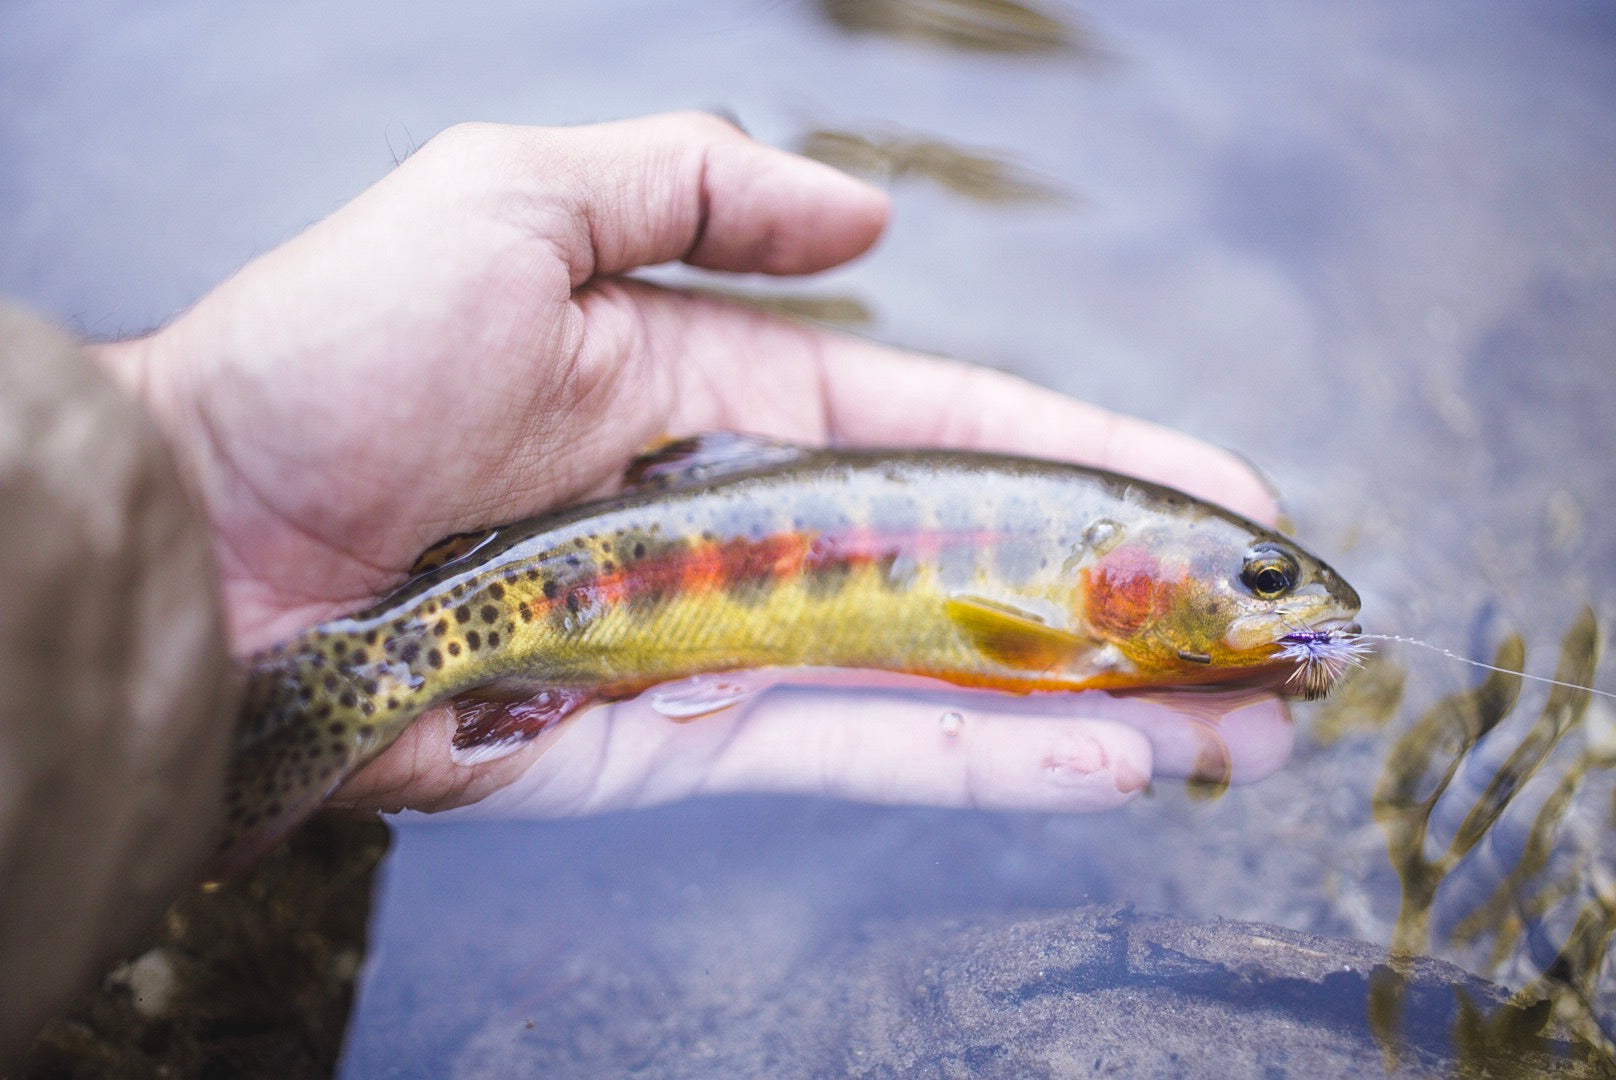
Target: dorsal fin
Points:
(697, 458)
(449, 549)
(1017, 638)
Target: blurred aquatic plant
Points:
(1421, 771)
(975, 174)
(996, 26)
(1365, 702)
(833, 309)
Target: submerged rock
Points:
(1093, 992)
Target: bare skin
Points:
(457, 347)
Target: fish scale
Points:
(732, 553)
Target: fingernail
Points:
(1075, 761)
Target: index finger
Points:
(687, 186)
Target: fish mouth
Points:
(1266, 630)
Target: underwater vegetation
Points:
(1547, 920)
(980, 175)
(990, 26)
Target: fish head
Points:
(1214, 604)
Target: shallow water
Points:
(1373, 249)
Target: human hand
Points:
(457, 348)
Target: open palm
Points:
(457, 348)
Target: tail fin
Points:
(307, 723)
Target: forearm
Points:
(117, 697)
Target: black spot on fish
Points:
(525, 611)
(474, 640)
(496, 591)
(572, 602)
(330, 682)
(334, 728)
(348, 699)
(372, 686)
(360, 656)
(463, 613)
(409, 652)
(493, 639)
(454, 648)
(489, 613)
(367, 708)
(371, 636)
(608, 566)
(339, 647)
(434, 658)
(551, 589)
(639, 549)
(392, 703)
(441, 627)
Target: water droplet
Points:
(952, 723)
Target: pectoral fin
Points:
(1018, 638)
(681, 462)
(703, 695)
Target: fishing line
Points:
(1341, 647)
(1488, 667)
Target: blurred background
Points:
(1372, 248)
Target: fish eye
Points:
(1269, 572)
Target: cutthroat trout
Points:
(726, 552)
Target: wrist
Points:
(135, 366)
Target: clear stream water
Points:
(1371, 247)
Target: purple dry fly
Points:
(1322, 657)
